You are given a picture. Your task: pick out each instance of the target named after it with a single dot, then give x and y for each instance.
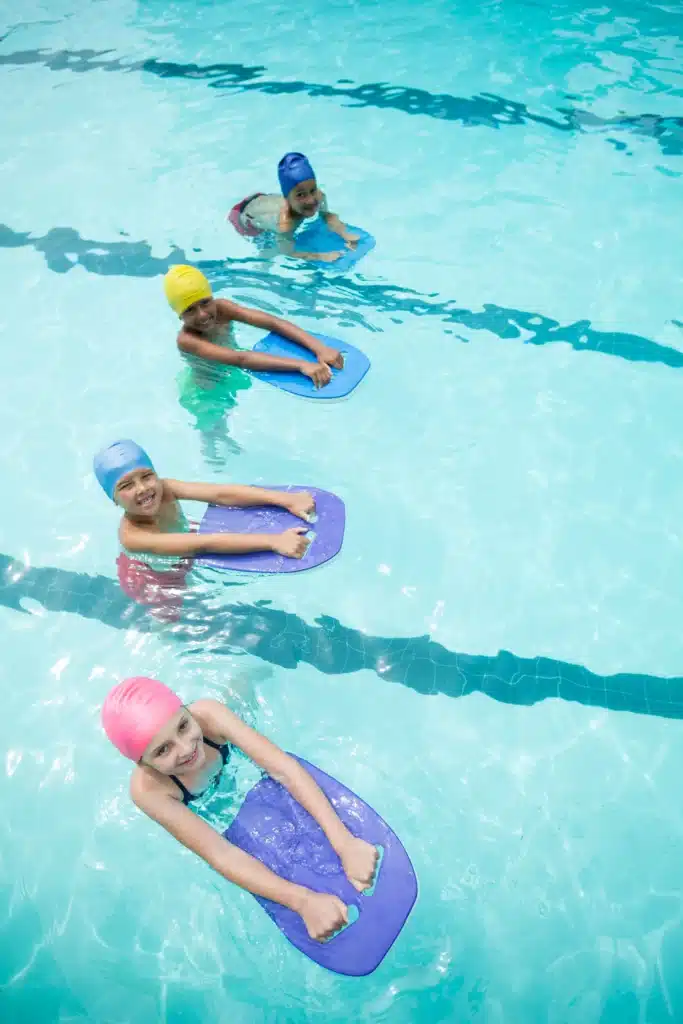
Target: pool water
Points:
(494, 661)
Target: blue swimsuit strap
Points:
(223, 749)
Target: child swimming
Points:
(282, 215)
(206, 336)
(180, 753)
(153, 521)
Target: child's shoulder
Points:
(204, 709)
(147, 786)
(225, 309)
(142, 785)
(210, 714)
(185, 339)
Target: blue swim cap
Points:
(119, 458)
(292, 170)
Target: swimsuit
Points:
(261, 214)
(235, 218)
(224, 750)
(206, 374)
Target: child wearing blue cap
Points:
(282, 215)
(154, 523)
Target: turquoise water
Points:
(494, 661)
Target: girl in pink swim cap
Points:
(180, 753)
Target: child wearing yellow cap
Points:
(207, 335)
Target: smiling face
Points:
(140, 493)
(305, 198)
(201, 316)
(178, 748)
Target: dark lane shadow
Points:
(64, 249)
(482, 109)
(286, 640)
(341, 299)
(667, 131)
(504, 321)
(485, 109)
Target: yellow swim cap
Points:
(184, 286)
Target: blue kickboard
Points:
(319, 238)
(356, 365)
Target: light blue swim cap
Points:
(292, 170)
(115, 461)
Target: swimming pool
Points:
(494, 662)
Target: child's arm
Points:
(358, 858)
(336, 226)
(267, 322)
(300, 503)
(287, 247)
(291, 543)
(205, 349)
(321, 913)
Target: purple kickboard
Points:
(275, 829)
(328, 529)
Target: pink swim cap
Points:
(134, 711)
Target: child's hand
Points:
(351, 241)
(292, 543)
(359, 860)
(331, 356)
(322, 914)
(319, 372)
(301, 504)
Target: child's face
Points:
(201, 316)
(178, 748)
(304, 198)
(140, 493)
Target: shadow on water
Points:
(209, 403)
(667, 131)
(209, 408)
(284, 639)
(64, 249)
(340, 298)
(483, 109)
